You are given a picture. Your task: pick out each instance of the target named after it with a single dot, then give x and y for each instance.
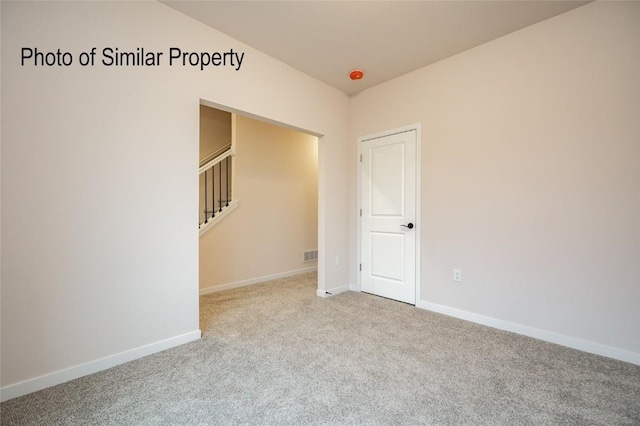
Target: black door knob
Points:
(410, 225)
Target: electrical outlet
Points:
(337, 260)
(457, 275)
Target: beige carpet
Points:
(275, 354)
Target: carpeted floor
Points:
(275, 354)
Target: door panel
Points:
(388, 246)
(387, 166)
(388, 249)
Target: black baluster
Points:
(205, 197)
(227, 161)
(213, 191)
(220, 186)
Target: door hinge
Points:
(361, 266)
(361, 158)
(360, 212)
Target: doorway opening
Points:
(273, 230)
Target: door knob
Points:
(410, 225)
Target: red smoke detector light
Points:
(356, 75)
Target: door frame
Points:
(418, 229)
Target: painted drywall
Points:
(100, 181)
(530, 171)
(276, 184)
(215, 130)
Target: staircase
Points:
(216, 187)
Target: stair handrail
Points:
(209, 164)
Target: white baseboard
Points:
(536, 333)
(258, 280)
(332, 291)
(75, 372)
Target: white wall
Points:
(99, 237)
(530, 173)
(276, 183)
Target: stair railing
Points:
(216, 172)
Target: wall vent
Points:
(310, 256)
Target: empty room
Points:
(453, 237)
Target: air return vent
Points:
(310, 256)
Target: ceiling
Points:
(385, 39)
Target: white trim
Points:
(219, 216)
(234, 121)
(418, 229)
(332, 291)
(61, 376)
(230, 152)
(418, 128)
(257, 280)
(536, 333)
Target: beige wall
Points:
(99, 238)
(277, 217)
(215, 130)
(530, 174)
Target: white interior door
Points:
(388, 223)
